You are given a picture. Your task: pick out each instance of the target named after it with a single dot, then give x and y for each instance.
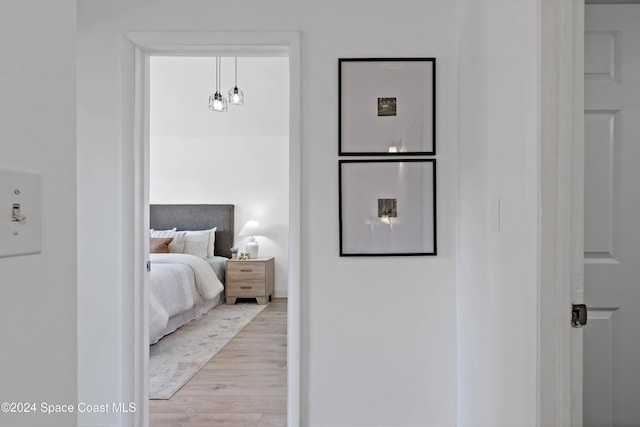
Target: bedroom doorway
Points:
(237, 157)
(149, 45)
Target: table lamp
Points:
(251, 228)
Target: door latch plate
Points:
(579, 315)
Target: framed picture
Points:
(387, 106)
(387, 207)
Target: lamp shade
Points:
(251, 228)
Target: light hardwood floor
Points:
(245, 384)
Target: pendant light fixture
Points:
(236, 97)
(217, 102)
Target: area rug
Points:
(179, 356)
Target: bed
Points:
(186, 278)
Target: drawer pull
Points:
(246, 287)
(246, 270)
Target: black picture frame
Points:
(387, 106)
(387, 207)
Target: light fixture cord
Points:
(236, 72)
(217, 74)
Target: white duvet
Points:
(177, 283)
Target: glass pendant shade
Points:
(236, 97)
(217, 102)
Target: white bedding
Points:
(179, 283)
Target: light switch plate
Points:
(24, 189)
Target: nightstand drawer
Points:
(252, 288)
(246, 270)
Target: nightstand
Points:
(251, 278)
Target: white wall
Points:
(239, 157)
(498, 159)
(38, 359)
(378, 335)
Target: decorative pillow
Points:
(159, 245)
(196, 242)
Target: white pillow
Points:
(162, 234)
(196, 243)
(177, 244)
(189, 242)
(212, 241)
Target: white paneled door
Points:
(612, 215)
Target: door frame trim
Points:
(562, 211)
(136, 79)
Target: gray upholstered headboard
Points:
(197, 217)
